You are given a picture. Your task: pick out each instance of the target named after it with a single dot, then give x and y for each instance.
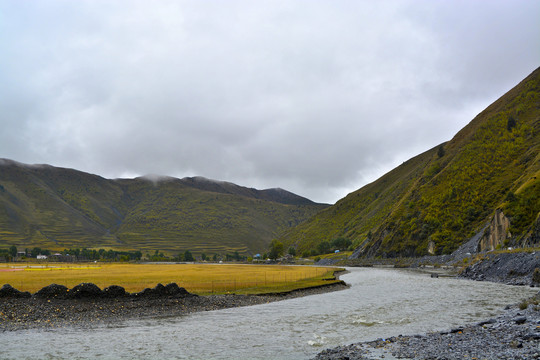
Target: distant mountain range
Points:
(56, 208)
(485, 182)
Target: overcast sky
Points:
(316, 97)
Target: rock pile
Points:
(8, 291)
(92, 291)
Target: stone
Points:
(486, 322)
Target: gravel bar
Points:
(19, 311)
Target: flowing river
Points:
(379, 303)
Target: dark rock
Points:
(8, 291)
(85, 290)
(150, 293)
(520, 320)
(486, 322)
(173, 289)
(53, 291)
(434, 276)
(531, 336)
(114, 291)
(508, 268)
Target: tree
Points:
(35, 252)
(188, 256)
(276, 249)
(203, 257)
(13, 251)
(341, 243)
(292, 251)
(323, 247)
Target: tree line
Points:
(12, 253)
(277, 249)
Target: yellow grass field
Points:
(196, 278)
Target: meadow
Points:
(202, 279)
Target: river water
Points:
(379, 303)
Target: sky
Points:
(315, 97)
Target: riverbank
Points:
(20, 311)
(515, 334)
(512, 268)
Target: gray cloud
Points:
(316, 97)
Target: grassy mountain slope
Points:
(58, 208)
(439, 199)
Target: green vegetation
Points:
(439, 199)
(55, 208)
(276, 249)
(523, 205)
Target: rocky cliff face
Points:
(496, 233)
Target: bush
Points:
(323, 247)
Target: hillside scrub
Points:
(437, 200)
(56, 208)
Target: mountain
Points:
(56, 208)
(484, 181)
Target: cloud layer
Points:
(317, 97)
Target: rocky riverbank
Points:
(86, 305)
(520, 268)
(515, 334)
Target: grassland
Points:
(200, 279)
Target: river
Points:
(379, 303)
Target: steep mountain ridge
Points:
(57, 208)
(439, 199)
